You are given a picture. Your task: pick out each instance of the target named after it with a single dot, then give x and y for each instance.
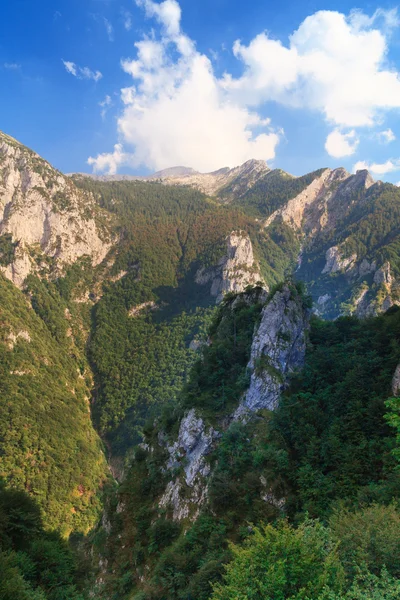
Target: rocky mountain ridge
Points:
(209, 183)
(147, 319)
(47, 217)
(51, 222)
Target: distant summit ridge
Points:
(209, 183)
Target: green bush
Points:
(281, 563)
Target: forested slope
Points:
(141, 357)
(48, 445)
(325, 453)
(151, 328)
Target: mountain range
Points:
(159, 337)
(335, 227)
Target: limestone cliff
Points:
(45, 214)
(195, 440)
(235, 270)
(295, 210)
(278, 351)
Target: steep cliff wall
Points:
(235, 270)
(45, 214)
(277, 351)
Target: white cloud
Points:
(385, 137)
(379, 168)
(341, 144)
(110, 162)
(70, 67)
(81, 72)
(361, 165)
(168, 13)
(177, 110)
(127, 17)
(105, 105)
(333, 64)
(398, 184)
(109, 29)
(389, 18)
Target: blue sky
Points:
(135, 86)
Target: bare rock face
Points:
(396, 381)
(19, 269)
(370, 299)
(236, 269)
(278, 350)
(137, 310)
(335, 262)
(239, 178)
(13, 338)
(293, 212)
(383, 275)
(309, 209)
(324, 203)
(366, 267)
(194, 442)
(45, 213)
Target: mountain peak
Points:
(364, 177)
(173, 172)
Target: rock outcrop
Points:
(194, 442)
(278, 350)
(324, 202)
(396, 382)
(235, 270)
(293, 212)
(380, 295)
(46, 215)
(140, 308)
(336, 262)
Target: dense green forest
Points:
(34, 563)
(328, 455)
(167, 233)
(48, 445)
(103, 363)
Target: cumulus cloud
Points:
(110, 161)
(168, 14)
(379, 168)
(389, 18)
(178, 111)
(81, 72)
(333, 64)
(340, 144)
(385, 137)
